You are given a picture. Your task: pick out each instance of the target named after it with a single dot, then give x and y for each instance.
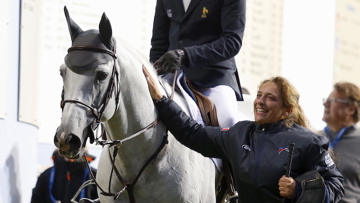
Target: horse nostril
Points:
(56, 141)
(73, 142)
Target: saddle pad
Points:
(190, 102)
(181, 84)
(193, 108)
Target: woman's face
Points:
(268, 104)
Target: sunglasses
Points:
(332, 100)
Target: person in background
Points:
(202, 38)
(341, 113)
(60, 182)
(259, 150)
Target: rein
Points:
(129, 186)
(98, 112)
(118, 143)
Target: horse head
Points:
(90, 94)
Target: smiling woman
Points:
(280, 101)
(268, 105)
(249, 145)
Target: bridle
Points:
(98, 112)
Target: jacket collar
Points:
(191, 7)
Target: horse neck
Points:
(136, 111)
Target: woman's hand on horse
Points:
(287, 187)
(153, 88)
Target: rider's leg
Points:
(224, 99)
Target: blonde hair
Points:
(290, 97)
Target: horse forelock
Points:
(84, 59)
(93, 38)
(81, 60)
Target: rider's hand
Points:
(170, 61)
(287, 187)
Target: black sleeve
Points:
(160, 36)
(323, 163)
(206, 140)
(228, 45)
(40, 193)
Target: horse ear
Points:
(74, 29)
(106, 31)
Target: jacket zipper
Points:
(263, 139)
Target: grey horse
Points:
(103, 84)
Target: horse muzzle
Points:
(69, 145)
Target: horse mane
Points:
(135, 52)
(138, 56)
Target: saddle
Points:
(207, 108)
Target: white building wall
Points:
(4, 19)
(308, 52)
(18, 140)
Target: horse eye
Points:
(101, 75)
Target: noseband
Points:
(98, 112)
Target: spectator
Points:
(258, 150)
(202, 38)
(341, 113)
(61, 181)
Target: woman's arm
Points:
(320, 160)
(203, 139)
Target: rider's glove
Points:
(170, 61)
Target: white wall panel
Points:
(29, 57)
(4, 21)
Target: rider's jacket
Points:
(258, 154)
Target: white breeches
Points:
(224, 99)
